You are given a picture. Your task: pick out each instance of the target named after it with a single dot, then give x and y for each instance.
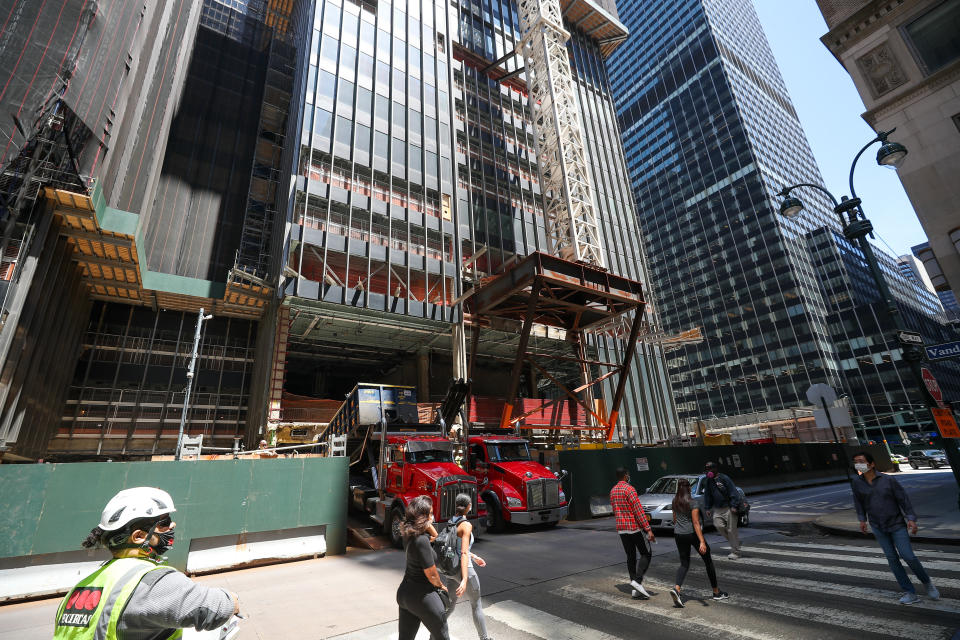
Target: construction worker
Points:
(133, 596)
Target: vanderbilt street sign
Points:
(945, 350)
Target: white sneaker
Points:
(639, 588)
(909, 598)
(733, 555)
(930, 591)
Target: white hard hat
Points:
(135, 504)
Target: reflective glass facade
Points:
(882, 390)
(710, 136)
(413, 161)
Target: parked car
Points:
(934, 458)
(657, 501)
(898, 459)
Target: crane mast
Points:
(572, 223)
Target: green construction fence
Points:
(50, 508)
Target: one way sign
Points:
(945, 350)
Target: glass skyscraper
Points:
(416, 173)
(710, 137)
(880, 387)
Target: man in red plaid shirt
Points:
(632, 524)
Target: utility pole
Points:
(190, 370)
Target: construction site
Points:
(214, 230)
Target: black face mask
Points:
(165, 541)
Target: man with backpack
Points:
(722, 497)
(455, 560)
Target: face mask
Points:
(711, 474)
(862, 467)
(164, 542)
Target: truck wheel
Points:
(393, 528)
(495, 523)
(934, 465)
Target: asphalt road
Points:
(805, 505)
(792, 582)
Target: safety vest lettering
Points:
(80, 606)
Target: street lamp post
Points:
(856, 227)
(201, 318)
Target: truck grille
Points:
(543, 493)
(448, 497)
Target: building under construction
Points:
(332, 181)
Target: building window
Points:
(935, 36)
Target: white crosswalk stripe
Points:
(540, 623)
(935, 555)
(818, 586)
(833, 571)
(829, 615)
(679, 619)
(947, 565)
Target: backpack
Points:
(447, 547)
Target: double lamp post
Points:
(856, 228)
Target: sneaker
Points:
(677, 600)
(910, 598)
(639, 588)
(930, 591)
(733, 555)
(721, 595)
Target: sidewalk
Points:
(937, 517)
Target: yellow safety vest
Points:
(91, 611)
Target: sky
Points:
(830, 108)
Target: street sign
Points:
(932, 386)
(946, 423)
(910, 338)
(839, 416)
(820, 394)
(945, 350)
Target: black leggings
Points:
(418, 605)
(633, 542)
(684, 542)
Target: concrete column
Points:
(459, 339)
(423, 375)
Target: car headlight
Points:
(514, 502)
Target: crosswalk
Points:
(781, 589)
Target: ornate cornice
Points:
(925, 87)
(860, 25)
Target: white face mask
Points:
(862, 467)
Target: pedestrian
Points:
(134, 596)
(687, 533)
(882, 499)
(469, 582)
(422, 596)
(722, 498)
(634, 529)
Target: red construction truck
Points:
(514, 488)
(395, 458)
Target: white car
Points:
(657, 501)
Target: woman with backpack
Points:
(688, 532)
(469, 582)
(422, 596)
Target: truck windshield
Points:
(430, 455)
(508, 451)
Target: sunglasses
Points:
(165, 522)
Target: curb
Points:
(847, 533)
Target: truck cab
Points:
(514, 488)
(415, 465)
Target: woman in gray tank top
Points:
(688, 532)
(469, 582)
